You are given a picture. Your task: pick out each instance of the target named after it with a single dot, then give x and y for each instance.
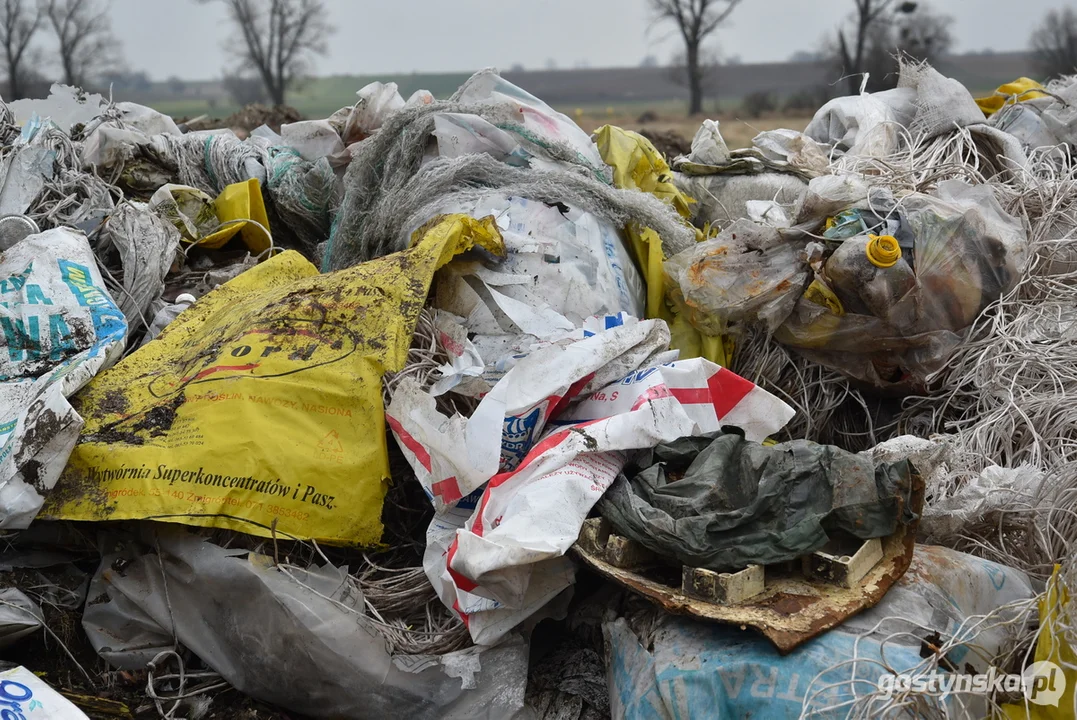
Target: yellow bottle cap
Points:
(883, 250)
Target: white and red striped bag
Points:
(496, 557)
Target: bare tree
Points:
(695, 20)
(19, 22)
(279, 38)
(86, 45)
(924, 34)
(868, 19)
(708, 65)
(1054, 43)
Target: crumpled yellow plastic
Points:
(237, 205)
(1022, 89)
(259, 409)
(1052, 647)
(637, 165)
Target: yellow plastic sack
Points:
(210, 223)
(1022, 89)
(261, 405)
(236, 204)
(1051, 647)
(637, 165)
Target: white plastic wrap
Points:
(865, 124)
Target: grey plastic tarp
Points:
(298, 638)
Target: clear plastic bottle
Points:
(166, 315)
(868, 274)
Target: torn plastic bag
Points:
(312, 139)
(66, 106)
(467, 134)
(132, 117)
(490, 564)
(141, 163)
(210, 223)
(60, 328)
(19, 616)
(966, 253)
(1024, 121)
(1016, 91)
(454, 457)
(256, 623)
(724, 503)
(942, 104)
(828, 195)
(793, 151)
(1060, 115)
(25, 696)
(534, 123)
(377, 101)
(748, 274)
(561, 266)
(866, 124)
(259, 409)
(187, 208)
(147, 248)
(25, 172)
(681, 668)
(637, 165)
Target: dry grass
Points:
(738, 133)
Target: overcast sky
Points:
(184, 38)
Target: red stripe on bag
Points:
(410, 443)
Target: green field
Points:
(319, 97)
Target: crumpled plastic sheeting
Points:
(722, 199)
(995, 489)
(723, 503)
(942, 104)
(829, 194)
(19, 616)
(536, 125)
(865, 124)
(308, 649)
(954, 500)
(147, 246)
(794, 151)
(24, 174)
(66, 106)
(749, 273)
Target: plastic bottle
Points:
(166, 315)
(868, 273)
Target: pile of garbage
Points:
(247, 118)
(447, 409)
